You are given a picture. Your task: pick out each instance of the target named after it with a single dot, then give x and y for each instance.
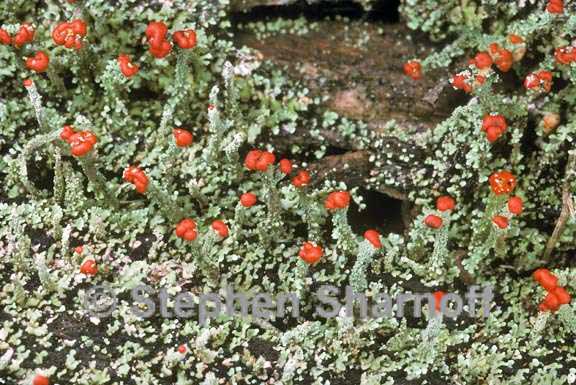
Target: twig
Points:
(567, 206)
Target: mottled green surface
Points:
(45, 214)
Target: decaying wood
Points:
(567, 206)
(353, 168)
(245, 5)
(357, 68)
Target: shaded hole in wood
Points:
(382, 11)
(382, 213)
(40, 176)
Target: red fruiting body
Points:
(545, 278)
(433, 221)
(156, 31)
(502, 182)
(220, 227)
(555, 6)
(413, 68)
(493, 134)
(161, 50)
(257, 160)
(445, 203)
(550, 121)
(182, 349)
(373, 237)
(89, 267)
(137, 177)
(460, 82)
(562, 295)
(515, 205)
(565, 55)
(185, 39)
(66, 133)
(127, 68)
(503, 58)
(301, 179)
(5, 37)
(156, 35)
(550, 302)
(248, 199)
(438, 295)
(81, 143)
(186, 229)
(540, 81)
(79, 249)
(542, 307)
(494, 126)
(285, 166)
(39, 62)
(500, 221)
(311, 253)
(70, 34)
(482, 60)
(24, 35)
(28, 83)
(515, 39)
(337, 200)
(40, 380)
(183, 138)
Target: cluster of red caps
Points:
(539, 81)
(413, 68)
(24, 35)
(499, 56)
(188, 230)
(443, 203)
(557, 295)
(81, 142)
(89, 267)
(502, 183)
(127, 68)
(136, 176)
(160, 47)
(40, 379)
(336, 200)
(258, 160)
(555, 6)
(565, 55)
(494, 125)
(70, 34)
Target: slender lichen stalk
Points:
(166, 203)
(97, 180)
(59, 179)
(366, 252)
(440, 252)
(182, 70)
(567, 205)
(343, 233)
(482, 231)
(35, 143)
(307, 204)
(36, 101)
(57, 81)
